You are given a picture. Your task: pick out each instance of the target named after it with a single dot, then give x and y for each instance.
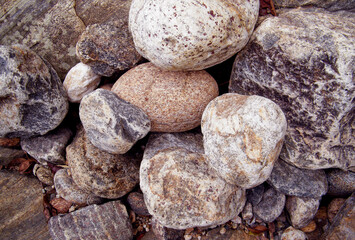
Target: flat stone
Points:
(331, 5)
(184, 35)
(33, 98)
(301, 60)
(107, 47)
(182, 191)
(112, 124)
(101, 173)
(79, 81)
(293, 181)
(137, 204)
(7, 154)
(21, 208)
(243, 136)
(341, 183)
(301, 210)
(49, 147)
(67, 189)
(83, 224)
(292, 233)
(173, 101)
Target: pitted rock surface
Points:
(301, 210)
(182, 191)
(33, 100)
(188, 35)
(243, 136)
(112, 124)
(107, 47)
(302, 60)
(173, 101)
(105, 175)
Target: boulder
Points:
(302, 60)
(301, 210)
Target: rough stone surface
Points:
(106, 221)
(21, 208)
(112, 124)
(255, 194)
(333, 208)
(293, 181)
(292, 233)
(67, 189)
(164, 233)
(331, 5)
(303, 61)
(7, 154)
(239, 234)
(341, 183)
(49, 147)
(181, 190)
(136, 202)
(79, 81)
(105, 175)
(33, 100)
(243, 136)
(270, 206)
(44, 174)
(301, 210)
(107, 47)
(185, 35)
(173, 101)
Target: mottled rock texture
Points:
(49, 147)
(243, 136)
(229, 234)
(67, 189)
(189, 35)
(104, 174)
(303, 60)
(79, 81)
(7, 154)
(293, 181)
(301, 210)
(111, 123)
(107, 47)
(292, 233)
(341, 183)
(333, 208)
(173, 101)
(137, 204)
(33, 100)
(106, 221)
(181, 190)
(44, 174)
(164, 233)
(331, 5)
(255, 194)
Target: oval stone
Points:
(173, 101)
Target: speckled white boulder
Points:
(191, 35)
(79, 81)
(243, 136)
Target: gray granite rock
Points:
(7, 154)
(298, 182)
(105, 175)
(137, 204)
(242, 137)
(33, 100)
(111, 123)
(49, 147)
(292, 233)
(106, 221)
(301, 210)
(302, 60)
(107, 47)
(270, 206)
(182, 191)
(341, 183)
(331, 5)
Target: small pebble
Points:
(222, 231)
(310, 227)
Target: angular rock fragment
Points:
(301, 210)
(112, 124)
(341, 183)
(243, 136)
(106, 221)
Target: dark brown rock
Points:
(7, 154)
(333, 207)
(164, 233)
(215, 234)
(136, 202)
(341, 183)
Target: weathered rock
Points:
(247, 213)
(21, 207)
(239, 234)
(33, 100)
(341, 183)
(331, 5)
(302, 61)
(301, 210)
(112, 124)
(136, 202)
(44, 174)
(293, 181)
(106, 221)
(67, 189)
(49, 147)
(293, 234)
(270, 206)
(255, 194)
(7, 154)
(164, 233)
(310, 227)
(107, 47)
(173, 101)
(243, 136)
(105, 175)
(333, 208)
(181, 190)
(184, 35)
(79, 81)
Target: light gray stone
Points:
(304, 61)
(292, 233)
(33, 100)
(341, 183)
(243, 136)
(182, 191)
(301, 210)
(111, 123)
(185, 35)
